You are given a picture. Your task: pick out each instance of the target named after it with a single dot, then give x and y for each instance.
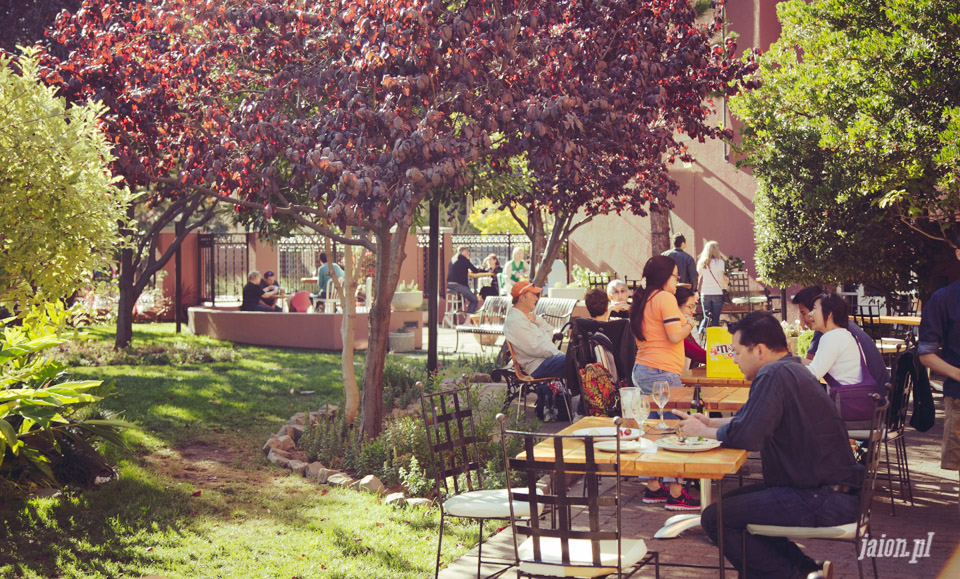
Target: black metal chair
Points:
(563, 548)
(851, 532)
(899, 397)
(889, 346)
(455, 458)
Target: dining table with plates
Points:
(657, 453)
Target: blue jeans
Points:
(459, 288)
(711, 311)
(787, 506)
(553, 367)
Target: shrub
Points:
(45, 437)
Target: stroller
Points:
(604, 348)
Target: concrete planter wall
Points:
(402, 341)
(406, 301)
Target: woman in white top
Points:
(711, 281)
(516, 269)
(838, 354)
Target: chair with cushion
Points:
(584, 538)
(300, 302)
(455, 458)
(856, 531)
(521, 384)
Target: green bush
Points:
(103, 354)
(46, 429)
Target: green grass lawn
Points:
(197, 499)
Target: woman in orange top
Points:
(658, 326)
(660, 329)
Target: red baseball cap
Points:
(522, 287)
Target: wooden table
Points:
(313, 279)
(893, 320)
(698, 375)
(707, 466)
(718, 398)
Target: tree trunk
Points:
(537, 243)
(348, 331)
(659, 230)
(389, 256)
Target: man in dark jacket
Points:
(686, 265)
(458, 276)
(939, 349)
(810, 477)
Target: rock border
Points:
(280, 451)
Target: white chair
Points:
(332, 300)
(851, 532)
(451, 313)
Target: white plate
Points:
(642, 445)
(610, 431)
(691, 444)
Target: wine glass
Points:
(661, 395)
(641, 409)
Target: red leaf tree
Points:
(158, 82)
(600, 99)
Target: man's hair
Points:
(679, 240)
(323, 257)
(835, 305)
(760, 328)
(462, 248)
(253, 275)
(596, 301)
(807, 296)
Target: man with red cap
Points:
(531, 336)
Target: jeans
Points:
(645, 376)
(553, 367)
(711, 311)
(459, 288)
(785, 506)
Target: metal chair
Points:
(520, 384)
(899, 397)
(455, 458)
(889, 346)
(851, 532)
(452, 310)
(563, 548)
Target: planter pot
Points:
(402, 341)
(575, 293)
(486, 339)
(407, 301)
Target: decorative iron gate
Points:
(224, 262)
(299, 257)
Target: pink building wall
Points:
(715, 199)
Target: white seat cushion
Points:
(486, 504)
(847, 531)
(580, 557)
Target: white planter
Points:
(575, 293)
(402, 341)
(407, 301)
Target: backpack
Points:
(599, 384)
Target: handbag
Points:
(853, 400)
(726, 293)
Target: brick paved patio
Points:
(935, 511)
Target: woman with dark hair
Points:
(660, 329)
(839, 359)
(687, 302)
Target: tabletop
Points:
(711, 464)
(698, 375)
(718, 398)
(899, 320)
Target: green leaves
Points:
(848, 137)
(58, 220)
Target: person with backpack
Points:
(660, 329)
